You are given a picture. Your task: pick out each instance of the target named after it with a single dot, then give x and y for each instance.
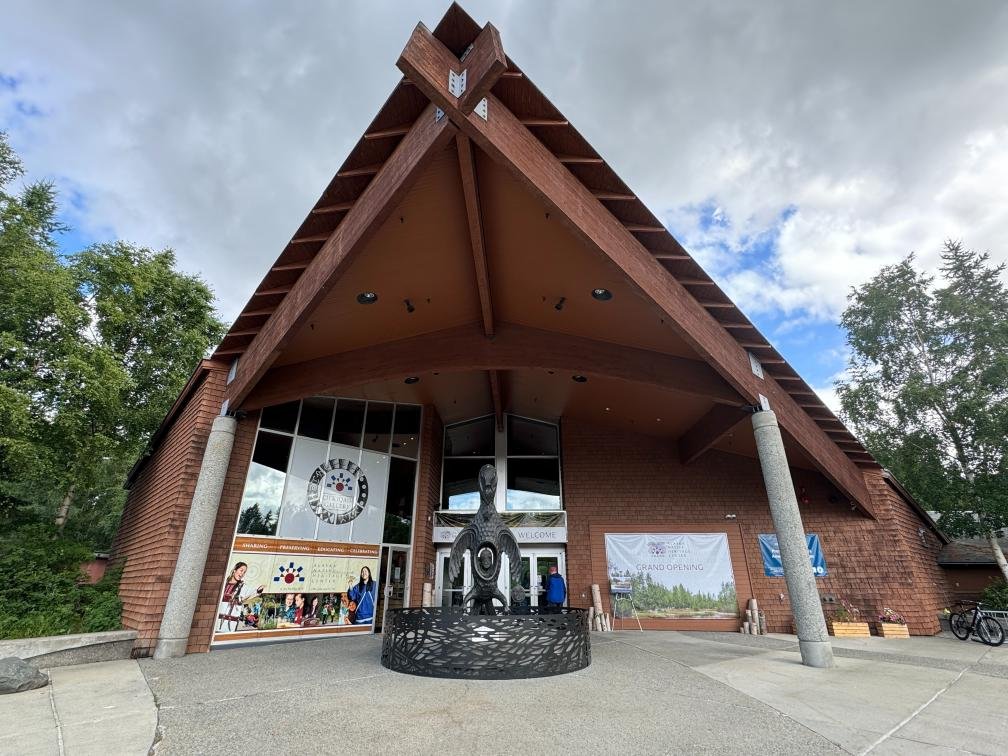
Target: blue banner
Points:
(771, 555)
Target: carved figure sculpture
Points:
(486, 537)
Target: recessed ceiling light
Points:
(579, 379)
(606, 409)
(602, 295)
(367, 297)
(411, 380)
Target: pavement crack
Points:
(912, 715)
(59, 725)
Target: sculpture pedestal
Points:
(449, 642)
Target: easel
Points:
(624, 595)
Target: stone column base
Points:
(170, 648)
(816, 654)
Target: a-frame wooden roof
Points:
(526, 133)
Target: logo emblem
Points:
(656, 548)
(289, 574)
(337, 491)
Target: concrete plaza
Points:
(644, 693)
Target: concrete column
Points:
(185, 585)
(813, 638)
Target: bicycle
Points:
(984, 627)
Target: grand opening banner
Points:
(277, 587)
(674, 575)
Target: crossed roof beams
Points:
(286, 315)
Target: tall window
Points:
(527, 457)
(533, 465)
(294, 439)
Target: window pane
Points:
(328, 531)
(399, 505)
(369, 524)
(378, 427)
(272, 450)
(533, 484)
(406, 439)
(527, 438)
(281, 417)
(461, 489)
(474, 439)
(348, 422)
(297, 519)
(261, 500)
(316, 417)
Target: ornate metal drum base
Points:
(448, 642)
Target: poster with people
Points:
(674, 575)
(284, 586)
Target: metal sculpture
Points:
(486, 537)
(513, 644)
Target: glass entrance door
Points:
(451, 593)
(393, 582)
(535, 564)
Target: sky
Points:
(794, 148)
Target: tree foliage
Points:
(928, 384)
(94, 348)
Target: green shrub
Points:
(995, 596)
(44, 591)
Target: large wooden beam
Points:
(466, 349)
(483, 63)
(470, 189)
(505, 139)
(498, 401)
(377, 201)
(708, 430)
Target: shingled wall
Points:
(157, 506)
(871, 563)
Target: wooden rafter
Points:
(335, 207)
(506, 140)
(374, 205)
(514, 347)
(395, 131)
(495, 395)
(477, 243)
(708, 430)
(364, 170)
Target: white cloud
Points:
(856, 132)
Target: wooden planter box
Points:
(893, 630)
(849, 629)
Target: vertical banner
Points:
(770, 550)
(674, 575)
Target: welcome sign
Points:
(674, 575)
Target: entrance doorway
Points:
(394, 560)
(536, 562)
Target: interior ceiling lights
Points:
(579, 379)
(602, 295)
(411, 380)
(367, 297)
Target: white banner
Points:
(674, 575)
(521, 534)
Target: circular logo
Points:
(337, 491)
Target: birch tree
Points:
(928, 386)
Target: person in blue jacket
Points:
(363, 595)
(556, 588)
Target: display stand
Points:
(624, 595)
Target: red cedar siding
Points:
(613, 476)
(156, 509)
(428, 501)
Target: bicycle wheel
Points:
(960, 625)
(991, 631)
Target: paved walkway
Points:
(643, 693)
(101, 709)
